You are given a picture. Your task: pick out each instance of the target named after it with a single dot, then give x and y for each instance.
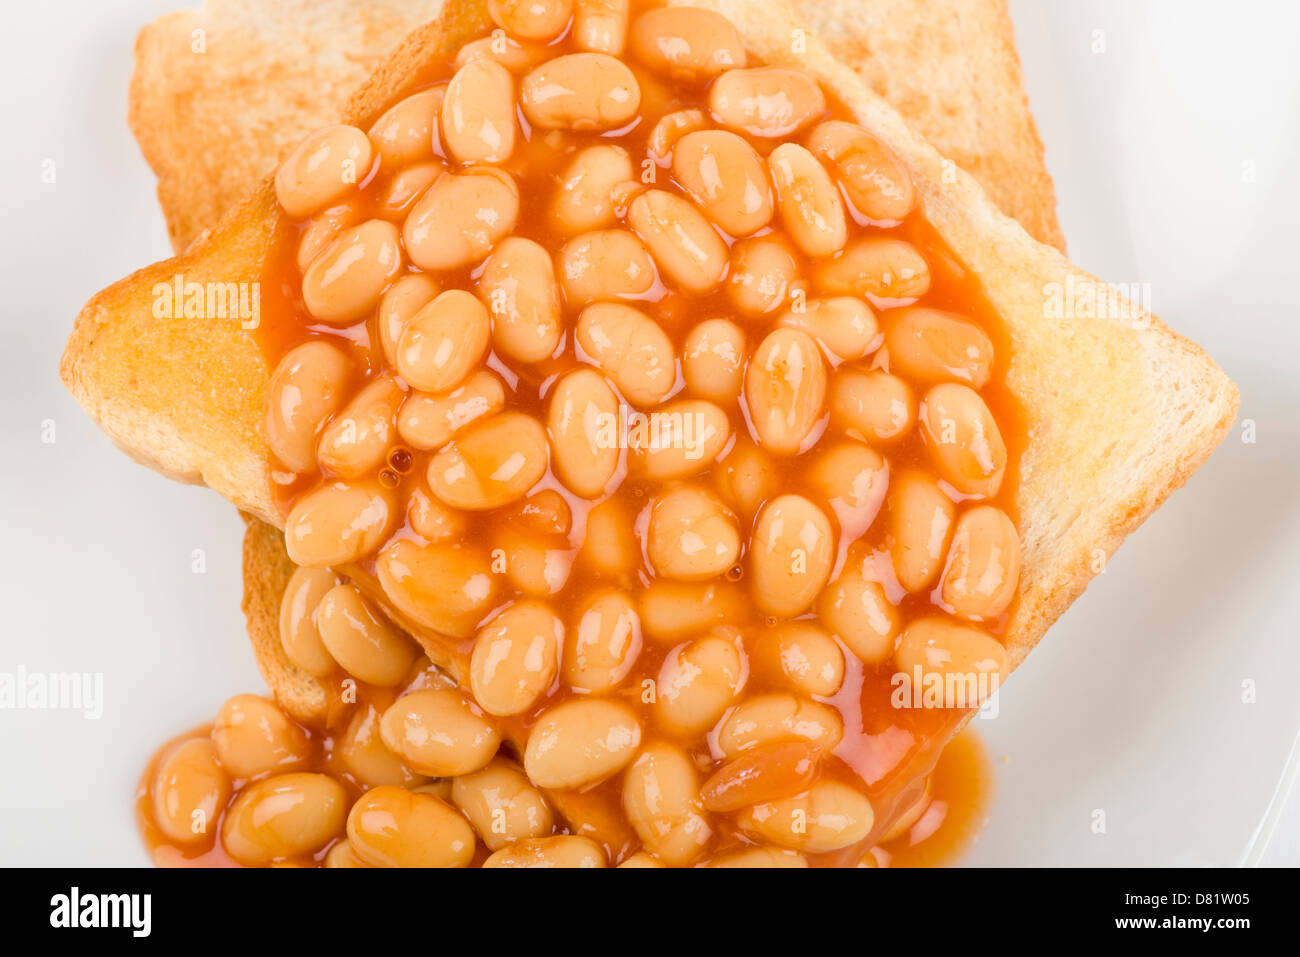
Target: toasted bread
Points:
(1119, 410)
(220, 94)
(896, 45)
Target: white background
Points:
(1174, 150)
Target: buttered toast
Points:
(1092, 469)
(979, 117)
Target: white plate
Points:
(1132, 705)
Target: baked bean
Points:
(763, 275)
(713, 360)
(404, 134)
(460, 218)
(911, 811)
(364, 755)
(725, 176)
(517, 56)
(252, 736)
(605, 264)
(534, 564)
(746, 478)
(785, 388)
(365, 644)
(519, 286)
(808, 201)
(920, 524)
(402, 300)
(581, 742)
(609, 547)
(604, 645)
(966, 664)
(692, 536)
(323, 229)
(983, 566)
(298, 633)
(770, 102)
(429, 422)
(853, 479)
(846, 327)
(641, 860)
(492, 463)
(580, 91)
(670, 129)
(600, 26)
(344, 282)
(502, 804)
(307, 387)
(448, 588)
(329, 163)
(515, 658)
(444, 342)
(631, 349)
(430, 519)
(928, 345)
(546, 512)
(582, 420)
(791, 553)
(357, 440)
(963, 439)
(284, 816)
(680, 239)
(478, 113)
(437, 732)
(872, 406)
(189, 790)
(697, 683)
(885, 270)
(339, 523)
(671, 611)
(856, 610)
(531, 19)
(875, 179)
(680, 439)
(762, 774)
(774, 718)
(394, 827)
(687, 44)
(562, 850)
(661, 797)
(802, 654)
(404, 188)
(829, 816)
(765, 857)
(585, 199)
(342, 855)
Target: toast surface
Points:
(1119, 409)
(212, 123)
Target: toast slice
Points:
(212, 122)
(971, 106)
(1119, 410)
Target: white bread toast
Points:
(950, 66)
(1119, 409)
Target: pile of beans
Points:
(627, 376)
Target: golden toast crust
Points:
(1120, 410)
